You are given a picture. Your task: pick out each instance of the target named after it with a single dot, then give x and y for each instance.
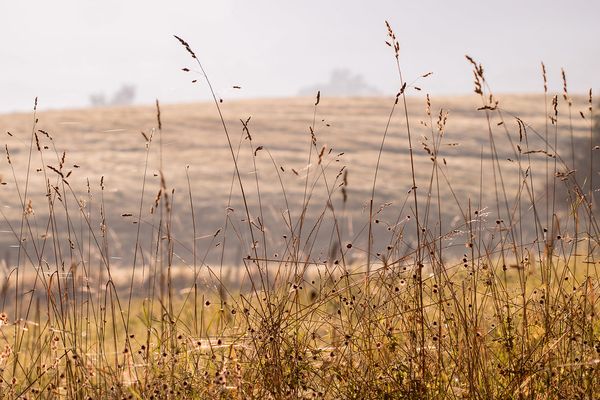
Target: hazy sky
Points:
(65, 50)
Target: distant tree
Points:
(122, 97)
(98, 100)
(342, 82)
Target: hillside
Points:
(106, 142)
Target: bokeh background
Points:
(76, 53)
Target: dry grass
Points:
(436, 253)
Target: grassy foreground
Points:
(500, 303)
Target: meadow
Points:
(393, 247)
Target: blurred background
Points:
(80, 53)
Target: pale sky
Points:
(65, 50)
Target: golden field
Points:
(302, 250)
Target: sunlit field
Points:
(312, 247)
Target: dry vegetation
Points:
(337, 248)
